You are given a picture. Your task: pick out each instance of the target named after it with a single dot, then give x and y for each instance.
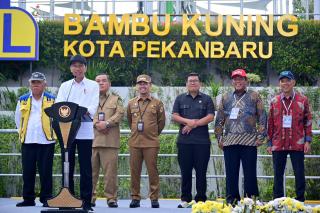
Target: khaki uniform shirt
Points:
(153, 117)
(112, 106)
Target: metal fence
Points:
(170, 132)
(55, 9)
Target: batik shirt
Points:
(251, 121)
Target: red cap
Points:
(239, 72)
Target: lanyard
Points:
(288, 108)
(101, 106)
(141, 115)
(237, 102)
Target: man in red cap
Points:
(240, 127)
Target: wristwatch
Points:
(107, 124)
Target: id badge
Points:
(287, 121)
(140, 126)
(101, 116)
(234, 113)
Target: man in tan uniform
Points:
(146, 118)
(106, 142)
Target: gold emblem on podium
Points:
(64, 111)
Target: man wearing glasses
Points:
(193, 110)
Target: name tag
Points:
(140, 126)
(234, 113)
(287, 121)
(101, 116)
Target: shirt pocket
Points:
(202, 109)
(110, 110)
(134, 112)
(184, 109)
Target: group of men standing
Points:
(240, 127)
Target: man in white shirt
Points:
(84, 92)
(37, 138)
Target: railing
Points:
(53, 9)
(170, 132)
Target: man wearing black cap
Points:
(37, 138)
(84, 92)
(289, 132)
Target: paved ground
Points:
(8, 205)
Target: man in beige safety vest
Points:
(106, 141)
(38, 140)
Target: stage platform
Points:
(8, 205)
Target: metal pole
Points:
(30, 67)
(91, 9)
(209, 6)
(51, 9)
(113, 6)
(66, 170)
(82, 6)
(74, 6)
(241, 7)
(307, 9)
(287, 6)
(316, 10)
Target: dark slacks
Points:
(232, 157)
(37, 156)
(84, 148)
(193, 156)
(279, 165)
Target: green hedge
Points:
(299, 53)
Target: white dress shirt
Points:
(35, 132)
(85, 94)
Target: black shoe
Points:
(135, 203)
(112, 204)
(45, 204)
(26, 203)
(87, 207)
(155, 204)
(93, 204)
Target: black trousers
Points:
(84, 148)
(193, 156)
(279, 165)
(37, 156)
(232, 157)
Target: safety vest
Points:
(25, 108)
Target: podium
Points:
(66, 121)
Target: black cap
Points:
(286, 74)
(37, 76)
(78, 58)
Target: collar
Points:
(199, 94)
(282, 97)
(149, 98)
(240, 94)
(83, 82)
(105, 94)
(35, 99)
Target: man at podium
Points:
(85, 93)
